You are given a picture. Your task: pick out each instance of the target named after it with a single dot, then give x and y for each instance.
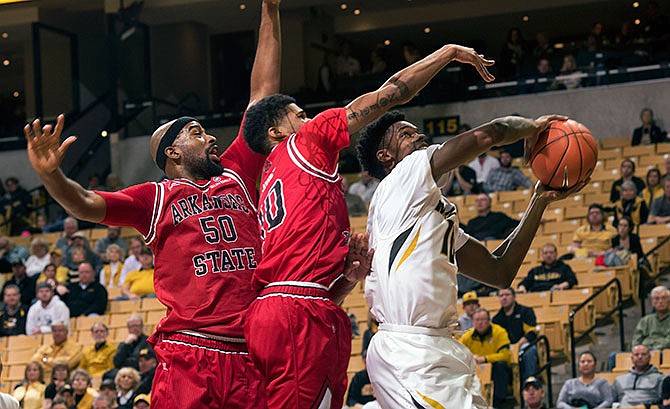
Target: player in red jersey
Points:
(202, 226)
(304, 226)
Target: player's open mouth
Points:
(213, 153)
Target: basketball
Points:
(564, 155)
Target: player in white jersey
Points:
(414, 361)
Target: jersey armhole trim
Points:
(233, 175)
(306, 166)
(156, 212)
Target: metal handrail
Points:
(571, 320)
(544, 368)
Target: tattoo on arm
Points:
(385, 97)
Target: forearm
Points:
(266, 71)
(77, 201)
(340, 289)
(513, 250)
(501, 356)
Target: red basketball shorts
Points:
(196, 373)
(301, 342)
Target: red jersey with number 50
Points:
(205, 239)
(302, 212)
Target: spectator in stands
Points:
(553, 274)
(506, 176)
(631, 205)
(87, 297)
(377, 60)
(512, 55)
(113, 183)
(47, 310)
(656, 32)
(7, 401)
(140, 283)
(365, 187)
(60, 376)
(594, 238)
(649, 132)
(470, 305)
(543, 48)
(108, 389)
(39, 248)
(61, 349)
(626, 239)
(13, 318)
(370, 331)
(459, 181)
(61, 402)
(569, 75)
(126, 381)
(654, 188)
(128, 352)
(489, 225)
(533, 393)
(141, 401)
(640, 386)
(544, 74)
(110, 274)
(65, 394)
(360, 389)
(49, 276)
(345, 64)
(587, 390)
(113, 237)
(83, 395)
(99, 357)
(520, 322)
(466, 285)
(490, 343)
(20, 203)
(20, 279)
(482, 165)
(77, 256)
(653, 330)
(627, 175)
(30, 393)
(355, 205)
(57, 260)
(132, 262)
(147, 363)
(70, 227)
(10, 252)
(660, 207)
(80, 242)
(103, 402)
(94, 183)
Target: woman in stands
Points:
(110, 275)
(126, 381)
(626, 239)
(31, 391)
(60, 375)
(586, 391)
(654, 189)
(83, 394)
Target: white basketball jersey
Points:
(415, 234)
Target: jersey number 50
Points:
(221, 228)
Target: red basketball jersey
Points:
(205, 239)
(302, 212)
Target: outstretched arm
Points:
(499, 268)
(266, 72)
(402, 86)
(465, 147)
(46, 153)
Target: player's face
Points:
(294, 120)
(403, 138)
(200, 152)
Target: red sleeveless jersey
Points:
(302, 212)
(205, 239)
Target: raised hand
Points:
(359, 259)
(541, 124)
(45, 150)
(468, 55)
(552, 195)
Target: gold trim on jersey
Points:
(410, 249)
(432, 402)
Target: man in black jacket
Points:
(551, 275)
(520, 322)
(129, 350)
(489, 225)
(86, 297)
(148, 363)
(13, 318)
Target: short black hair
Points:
(260, 117)
(369, 140)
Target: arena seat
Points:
(614, 142)
(609, 376)
(15, 373)
(19, 357)
(124, 306)
(624, 362)
(18, 342)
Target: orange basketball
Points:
(564, 155)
